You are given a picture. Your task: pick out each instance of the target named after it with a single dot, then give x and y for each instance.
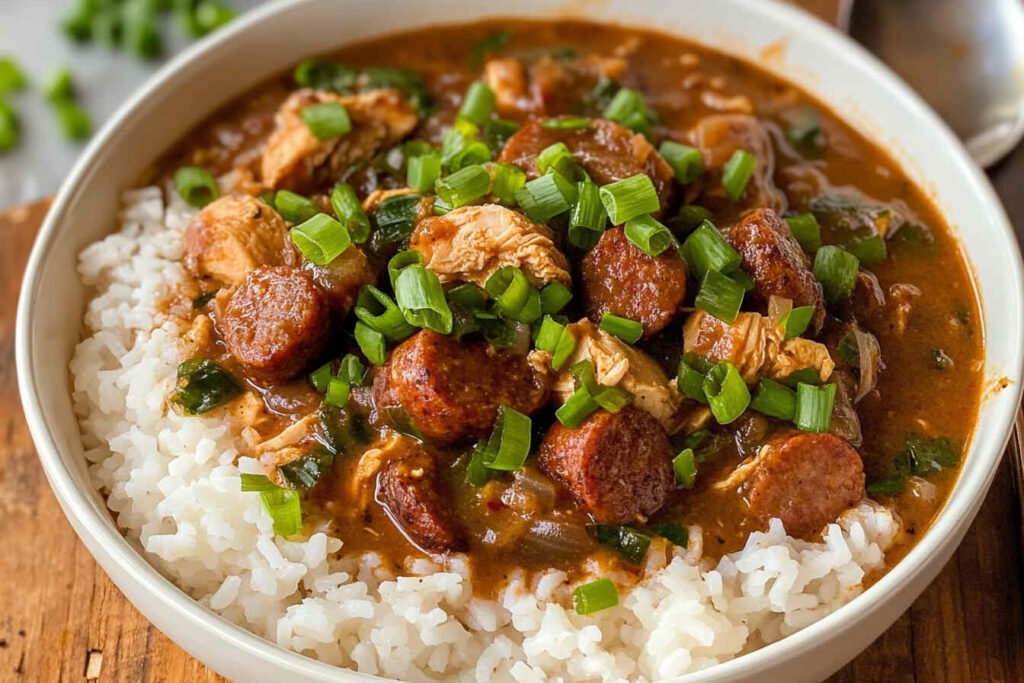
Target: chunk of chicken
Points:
(548, 83)
(470, 243)
(755, 346)
(618, 364)
(294, 158)
(232, 236)
(506, 76)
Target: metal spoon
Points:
(964, 57)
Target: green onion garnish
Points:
(726, 392)
(478, 103)
(12, 78)
(648, 235)
(257, 482)
(566, 345)
(887, 486)
(322, 376)
(689, 218)
(409, 257)
(692, 371)
(565, 123)
(548, 334)
(376, 309)
(805, 133)
(294, 208)
(74, 123)
(720, 295)
(625, 329)
(509, 444)
(463, 186)
(594, 596)
(577, 408)
(814, 407)
(796, 321)
(547, 196)
(323, 75)
(349, 211)
(196, 186)
(423, 171)
(557, 158)
(461, 147)
(284, 508)
(625, 106)
(631, 543)
(8, 128)
(338, 392)
(326, 120)
(806, 230)
(467, 294)
(705, 250)
(396, 217)
(352, 370)
(774, 400)
(371, 343)
(211, 15)
(737, 173)
(687, 162)
(836, 270)
(611, 398)
(304, 472)
(805, 375)
(140, 34)
(685, 467)
(508, 180)
(57, 86)
(674, 533)
(321, 239)
(513, 295)
(421, 298)
(629, 198)
(498, 131)
(588, 218)
(554, 296)
(870, 250)
(203, 385)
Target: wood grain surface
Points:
(61, 618)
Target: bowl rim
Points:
(108, 546)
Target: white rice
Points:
(173, 486)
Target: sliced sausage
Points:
(607, 151)
(777, 263)
(806, 480)
(410, 490)
(619, 278)
(617, 466)
(451, 390)
(341, 279)
(232, 236)
(294, 159)
(275, 323)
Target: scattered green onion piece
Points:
(257, 482)
(322, 376)
(285, 509)
(371, 343)
(423, 171)
(12, 78)
(327, 120)
(74, 123)
(352, 370)
(203, 385)
(674, 533)
(509, 288)
(870, 250)
(805, 375)
(648, 235)
(690, 379)
(625, 329)
(814, 407)
(743, 279)
(796, 321)
(737, 173)
(594, 596)
(547, 196)
(624, 104)
(565, 123)
(396, 217)
(58, 85)
(321, 239)
(687, 162)
(403, 259)
(726, 392)
(566, 345)
(420, 296)
(774, 400)
(324, 75)
(376, 309)
(638, 123)
(836, 270)
(720, 295)
(498, 131)
(554, 296)
(887, 486)
(630, 198)
(806, 230)
(548, 335)
(349, 211)
(8, 128)
(689, 218)
(508, 180)
(461, 148)
(468, 295)
(478, 474)
(509, 445)
(478, 103)
(631, 543)
(211, 15)
(588, 218)
(294, 208)
(304, 472)
(196, 186)
(338, 392)
(806, 133)
(577, 408)
(685, 467)
(557, 158)
(463, 186)
(612, 399)
(705, 250)
(140, 32)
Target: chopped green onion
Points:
(305, 472)
(323, 75)
(737, 173)
(196, 186)
(202, 385)
(796, 321)
(836, 270)
(327, 120)
(547, 196)
(743, 279)
(774, 400)
(726, 392)
(548, 335)
(338, 392)
(577, 408)
(719, 295)
(509, 445)
(284, 508)
(630, 198)
(508, 180)
(685, 467)
(349, 211)
(625, 329)
(376, 309)
(8, 128)
(705, 250)
(322, 376)
(805, 375)
(638, 123)
(648, 235)
(478, 103)
(140, 31)
(557, 158)
(612, 399)
(687, 162)
(554, 296)
(211, 15)
(467, 294)
(805, 133)
(566, 345)
(806, 230)
(396, 217)
(257, 482)
(625, 104)
(421, 298)
(409, 257)
(594, 596)
(814, 407)
(689, 218)
(74, 123)
(423, 171)
(887, 486)
(478, 474)
(461, 148)
(674, 533)
(463, 186)
(294, 208)
(588, 218)
(352, 370)
(509, 288)
(565, 123)
(498, 131)
(691, 377)
(371, 343)
(57, 86)
(631, 543)
(870, 250)
(12, 78)
(321, 239)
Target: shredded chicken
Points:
(901, 298)
(470, 243)
(361, 487)
(293, 156)
(273, 451)
(754, 346)
(506, 76)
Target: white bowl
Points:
(267, 40)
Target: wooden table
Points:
(62, 619)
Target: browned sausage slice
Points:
(619, 278)
(409, 489)
(806, 480)
(451, 390)
(607, 151)
(617, 466)
(776, 262)
(275, 323)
